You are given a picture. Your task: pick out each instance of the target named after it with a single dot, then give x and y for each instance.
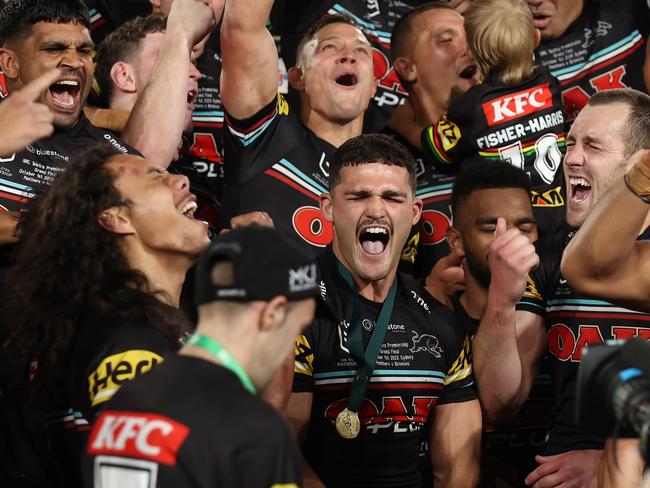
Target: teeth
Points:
(68, 82)
(579, 181)
(188, 208)
(376, 230)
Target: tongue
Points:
(62, 97)
(373, 247)
(581, 193)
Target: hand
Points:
(23, 120)
(511, 256)
(196, 17)
(259, 218)
(573, 469)
(446, 278)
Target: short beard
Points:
(479, 269)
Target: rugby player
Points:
(552, 317)
(363, 412)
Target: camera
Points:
(613, 396)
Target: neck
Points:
(474, 298)
(334, 132)
(377, 290)
(165, 273)
(427, 107)
(123, 101)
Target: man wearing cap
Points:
(195, 420)
(384, 368)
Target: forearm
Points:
(496, 361)
(592, 257)
(156, 124)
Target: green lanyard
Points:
(367, 358)
(224, 357)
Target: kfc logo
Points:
(144, 436)
(517, 104)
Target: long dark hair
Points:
(68, 268)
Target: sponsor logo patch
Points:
(515, 105)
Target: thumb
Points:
(33, 89)
(501, 227)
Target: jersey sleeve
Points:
(542, 280)
(459, 380)
(303, 372)
(124, 354)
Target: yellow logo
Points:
(116, 370)
(283, 105)
(304, 357)
(449, 134)
(531, 290)
(462, 366)
(410, 249)
(550, 198)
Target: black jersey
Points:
(108, 15)
(509, 448)
(190, 423)
(428, 240)
(423, 362)
(572, 321)
(376, 18)
(24, 174)
(604, 48)
(106, 354)
(277, 165)
(522, 124)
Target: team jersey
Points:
(106, 354)
(423, 362)
(604, 48)
(522, 124)
(108, 15)
(190, 423)
(25, 174)
(427, 242)
(509, 448)
(376, 18)
(275, 164)
(572, 321)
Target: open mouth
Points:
(540, 20)
(580, 188)
(374, 240)
(65, 94)
(192, 95)
(188, 209)
(469, 72)
(347, 79)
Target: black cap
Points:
(265, 263)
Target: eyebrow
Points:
(66, 45)
(368, 193)
(338, 37)
(493, 221)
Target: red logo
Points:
(139, 435)
(515, 105)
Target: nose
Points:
(375, 208)
(348, 57)
(71, 60)
(574, 156)
(179, 182)
(195, 74)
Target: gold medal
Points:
(347, 424)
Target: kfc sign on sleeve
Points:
(515, 105)
(139, 435)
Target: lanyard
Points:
(367, 358)
(224, 357)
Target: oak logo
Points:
(515, 105)
(116, 370)
(139, 435)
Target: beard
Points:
(479, 268)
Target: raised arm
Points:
(604, 259)
(509, 343)
(249, 73)
(158, 118)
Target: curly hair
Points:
(68, 268)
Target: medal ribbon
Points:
(224, 357)
(368, 358)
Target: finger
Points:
(34, 89)
(550, 481)
(540, 472)
(544, 459)
(452, 260)
(501, 227)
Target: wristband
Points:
(637, 180)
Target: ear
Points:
(295, 77)
(9, 63)
(405, 68)
(273, 314)
(116, 220)
(123, 77)
(326, 207)
(417, 211)
(455, 241)
(538, 37)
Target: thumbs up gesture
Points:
(511, 257)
